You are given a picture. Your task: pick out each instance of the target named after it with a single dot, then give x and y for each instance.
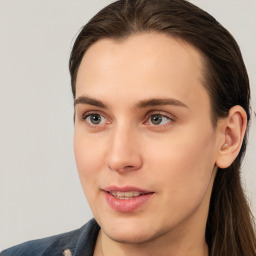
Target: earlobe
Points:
(232, 135)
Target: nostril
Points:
(123, 167)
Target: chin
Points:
(131, 238)
(131, 231)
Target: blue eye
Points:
(95, 119)
(158, 119)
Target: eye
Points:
(95, 119)
(158, 119)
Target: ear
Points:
(232, 131)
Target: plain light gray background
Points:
(40, 193)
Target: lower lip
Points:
(127, 205)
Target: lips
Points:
(126, 199)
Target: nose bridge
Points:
(124, 147)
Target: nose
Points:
(124, 151)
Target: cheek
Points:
(89, 159)
(184, 166)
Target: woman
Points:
(161, 99)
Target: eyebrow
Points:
(141, 104)
(89, 101)
(160, 102)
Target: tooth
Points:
(114, 193)
(119, 194)
(125, 195)
(128, 194)
(135, 193)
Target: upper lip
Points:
(125, 189)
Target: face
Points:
(144, 143)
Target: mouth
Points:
(126, 199)
(126, 195)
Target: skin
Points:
(176, 159)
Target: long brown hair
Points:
(229, 230)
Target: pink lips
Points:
(127, 204)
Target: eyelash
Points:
(87, 115)
(170, 119)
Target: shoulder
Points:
(79, 242)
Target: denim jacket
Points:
(80, 242)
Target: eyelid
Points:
(91, 112)
(161, 113)
(86, 114)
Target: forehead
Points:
(150, 48)
(149, 64)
